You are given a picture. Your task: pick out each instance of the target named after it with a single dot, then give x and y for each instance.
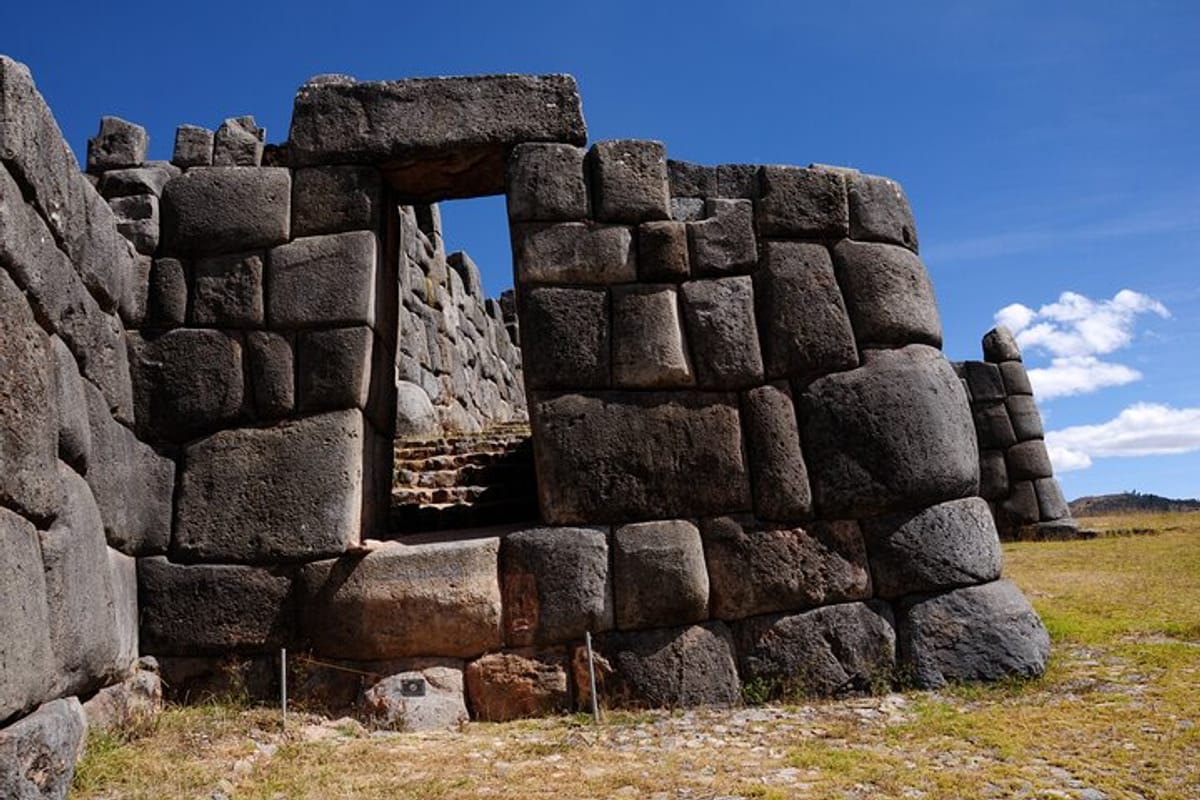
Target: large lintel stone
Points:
(437, 138)
(226, 209)
(322, 281)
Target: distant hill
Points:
(1129, 502)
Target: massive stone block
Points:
(546, 183)
(336, 199)
(945, 546)
(993, 427)
(779, 476)
(648, 351)
(888, 294)
(760, 568)
(403, 600)
(723, 242)
(659, 574)
(1051, 503)
(226, 209)
(1016, 379)
(879, 212)
(38, 753)
(805, 328)
(831, 651)
(1029, 461)
(213, 608)
(556, 584)
(993, 475)
(227, 291)
(983, 632)
(74, 432)
(312, 509)
(437, 138)
(1026, 421)
(799, 202)
(322, 281)
(894, 434)
(334, 368)
(629, 180)
(566, 335)
(984, 381)
(26, 660)
(662, 251)
(722, 332)
(573, 252)
(627, 457)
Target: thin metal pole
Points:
(283, 684)
(592, 677)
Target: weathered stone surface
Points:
(648, 351)
(659, 575)
(723, 242)
(687, 209)
(1028, 461)
(238, 143)
(1000, 345)
(186, 382)
(468, 271)
(213, 608)
(984, 381)
(439, 137)
(98, 245)
(334, 368)
(227, 291)
(1051, 503)
(74, 433)
(692, 180)
(415, 415)
(391, 705)
(894, 434)
(993, 475)
(722, 331)
(135, 301)
(573, 252)
(118, 144)
(83, 621)
(802, 202)
(518, 684)
(193, 147)
(738, 180)
(983, 632)
(566, 334)
(546, 183)
(38, 753)
(132, 704)
(122, 575)
(945, 546)
(879, 212)
(167, 303)
(1026, 421)
(149, 178)
(779, 477)
(1016, 379)
(664, 668)
(662, 251)
(336, 199)
(25, 654)
(992, 426)
(29, 422)
(313, 509)
(759, 568)
(132, 484)
(323, 281)
(403, 600)
(888, 294)
(827, 652)
(271, 374)
(556, 584)
(631, 457)
(1021, 505)
(226, 209)
(805, 328)
(629, 180)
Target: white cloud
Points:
(1143, 429)
(1074, 331)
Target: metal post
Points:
(592, 677)
(283, 684)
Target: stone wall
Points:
(1016, 477)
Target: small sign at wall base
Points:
(412, 687)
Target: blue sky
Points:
(1046, 148)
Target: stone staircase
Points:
(470, 480)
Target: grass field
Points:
(1116, 716)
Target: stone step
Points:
(503, 473)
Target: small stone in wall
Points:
(118, 144)
(193, 147)
(238, 143)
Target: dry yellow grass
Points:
(1118, 713)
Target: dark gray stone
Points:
(322, 281)
(893, 435)
(798, 202)
(628, 457)
(546, 183)
(314, 469)
(662, 251)
(1026, 421)
(879, 212)
(122, 576)
(227, 291)
(1029, 461)
(738, 180)
(648, 351)
(336, 199)
(888, 294)
(723, 243)
(984, 381)
(556, 585)
(833, 651)
(186, 382)
(999, 345)
(100, 241)
(226, 209)
(118, 144)
(135, 302)
(238, 143)
(1051, 503)
(692, 180)
(271, 373)
(28, 410)
(38, 753)
(629, 180)
(333, 368)
(1020, 507)
(193, 147)
(993, 427)
(573, 252)
(74, 432)
(566, 335)
(147, 179)
(948, 545)
(805, 328)
(659, 575)
(760, 568)
(213, 608)
(167, 303)
(137, 220)
(666, 668)
(1016, 379)
(993, 475)
(779, 477)
(24, 617)
(980, 633)
(722, 332)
